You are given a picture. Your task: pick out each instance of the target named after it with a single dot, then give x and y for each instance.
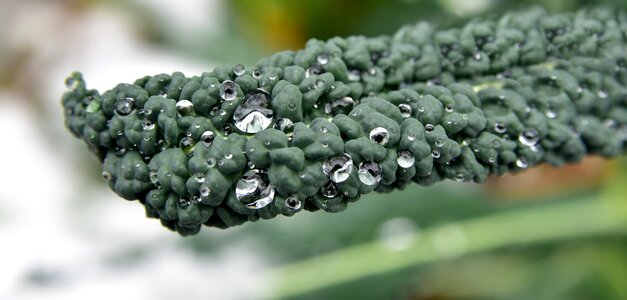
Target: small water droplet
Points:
(120, 132)
(477, 56)
(339, 106)
(369, 173)
(319, 84)
(449, 108)
(405, 159)
(257, 73)
(254, 113)
(609, 122)
(226, 129)
(207, 138)
(323, 59)
(372, 71)
(148, 124)
(228, 155)
(521, 163)
(338, 167)
(200, 177)
(286, 125)
(211, 162)
(329, 190)
(315, 69)
(435, 154)
(293, 203)
(529, 137)
(551, 114)
(429, 127)
(354, 75)
(405, 110)
(250, 164)
(491, 159)
(602, 94)
(228, 90)
(459, 177)
(253, 190)
(187, 144)
(439, 143)
(239, 70)
(500, 127)
(324, 129)
(185, 107)
(272, 76)
(379, 135)
(411, 137)
(204, 191)
(106, 175)
(125, 106)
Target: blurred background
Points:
(545, 233)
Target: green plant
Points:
(316, 128)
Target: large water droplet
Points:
(239, 70)
(329, 190)
(369, 173)
(338, 167)
(319, 84)
(405, 159)
(228, 90)
(253, 190)
(293, 203)
(207, 138)
(148, 124)
(125, 106)
(253, 114)
(187, 144)
(339, 106)
(185, 107)
(529, 137)
(405, 110)
(379, 135)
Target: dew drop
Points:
(319, 84)
(253, 114)
(323, 59)
(602, 94)
(329, 190)
(199, 177)
(228, 90)
(439, 143)
(551, 114)
(354, 75)
(204, 191)
(339, 106)
(435, 154)
(185, 107)
(315, 69)
(211, 162)
(72, 83)
(477, 56)
(154, 177)
(226, 129)
(369, 173)
(183, 203)
(429, 127)
(106, 175)
(406, 159)
(286, 125)
(405, 110)
(521, 163)
(500, 127)
(379, 135)
(253, 190)
(338, 167)
(293, 203)
(239, 70)
(125, 106)
(411, 137)
(257, 73)
(148, 124)
(228, 155)
(207, 138)
(187, 144)
(529, 137)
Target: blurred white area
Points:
(62, 237)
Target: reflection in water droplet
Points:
(211, 162)
(207, 138)
(449, 108)
(319, 84)
(500, 127)
(315, 69)
(204, 191)
(551, 114)
(439, 142)
(529, 137)
(228, 155)
(338, 167)
(602, 94)
(106, 175)
(125, 106)
(184, 203)
(459, 177)
(72, 83)
(406, 159)
(148, 124)
(435, 154)
(354, 75)
(369, 173)
(340, 106)
(521, 163)
(286, 125)
(379, 135)
(253, 114)
(187, 144)
(257, 73)
(253, 190)
(405, 110)
(200, 177)
(228, 90)
(239, 70)
(185, 107)
(429, 127)
(322, 59)
(329, 190)
(293, 203)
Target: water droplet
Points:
(405, 110)
(106, 175)
(329, 190)
(372, 71)
(148, 124)
(319, 84)
(200, 177)
(239, 70)
(521, 163)
(228, 155)
(609, 122)
(405, 159)
(324, 129)
(315, 69)
(211, 162)
(439, 143)
(228, 90)
(354, 75)
(369, 173)
(421, 109)
(226, 129)
(379, 135)
(154, 177)
(429, 127)
(435, 154)
(477, 56)
(529, 137)
(250, 164)
(340, 106)
(185, 107)
(459, 177)
(286, 125)
(187, 144)
(293, 203)
(338, 167)
(500, 127)
(322, 59)
(120, 132)
(257, 73)
(491, 159)
(411, 137)
(253, 114)
(207, 138)
(551, 114)
(449, 108)
(204, 191)
(253, 190)
(602, 94)
(125, 106)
